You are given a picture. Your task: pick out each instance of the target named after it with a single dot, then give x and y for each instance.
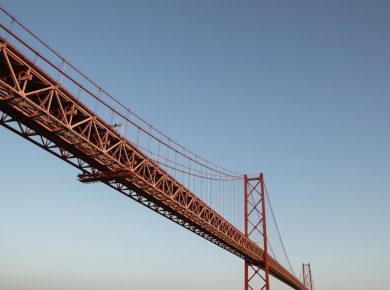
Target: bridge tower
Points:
(256, 277)
(307, 277)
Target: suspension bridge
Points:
(51, 103)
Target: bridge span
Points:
(38, 107)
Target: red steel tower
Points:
(256, 276)
(307, 277)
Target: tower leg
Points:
(307, 277)
(256, 277)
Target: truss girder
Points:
(52, 118)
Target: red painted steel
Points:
(256, 277)
(246, 265)
(38, 108)
(265, 239)
(307, 276)
(64, 61)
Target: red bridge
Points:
(70, 116)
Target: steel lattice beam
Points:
(256, 277)
(37, 108)
(307, 277)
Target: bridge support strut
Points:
(256, 277)
(307, 277)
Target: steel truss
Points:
(37, 108)
(307, 277)
(256, 276)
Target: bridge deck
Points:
(51, 117)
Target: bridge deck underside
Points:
(37, 108)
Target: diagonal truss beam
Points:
(37, 108)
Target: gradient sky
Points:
(297, 89)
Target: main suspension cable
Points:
(24, 27)
(277, 229)
(114, 110)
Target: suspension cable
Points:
(118, 113)
(24, 27)
(158, 157)
(277, 229)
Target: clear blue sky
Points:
(297, 89)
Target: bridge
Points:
(51, 103)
